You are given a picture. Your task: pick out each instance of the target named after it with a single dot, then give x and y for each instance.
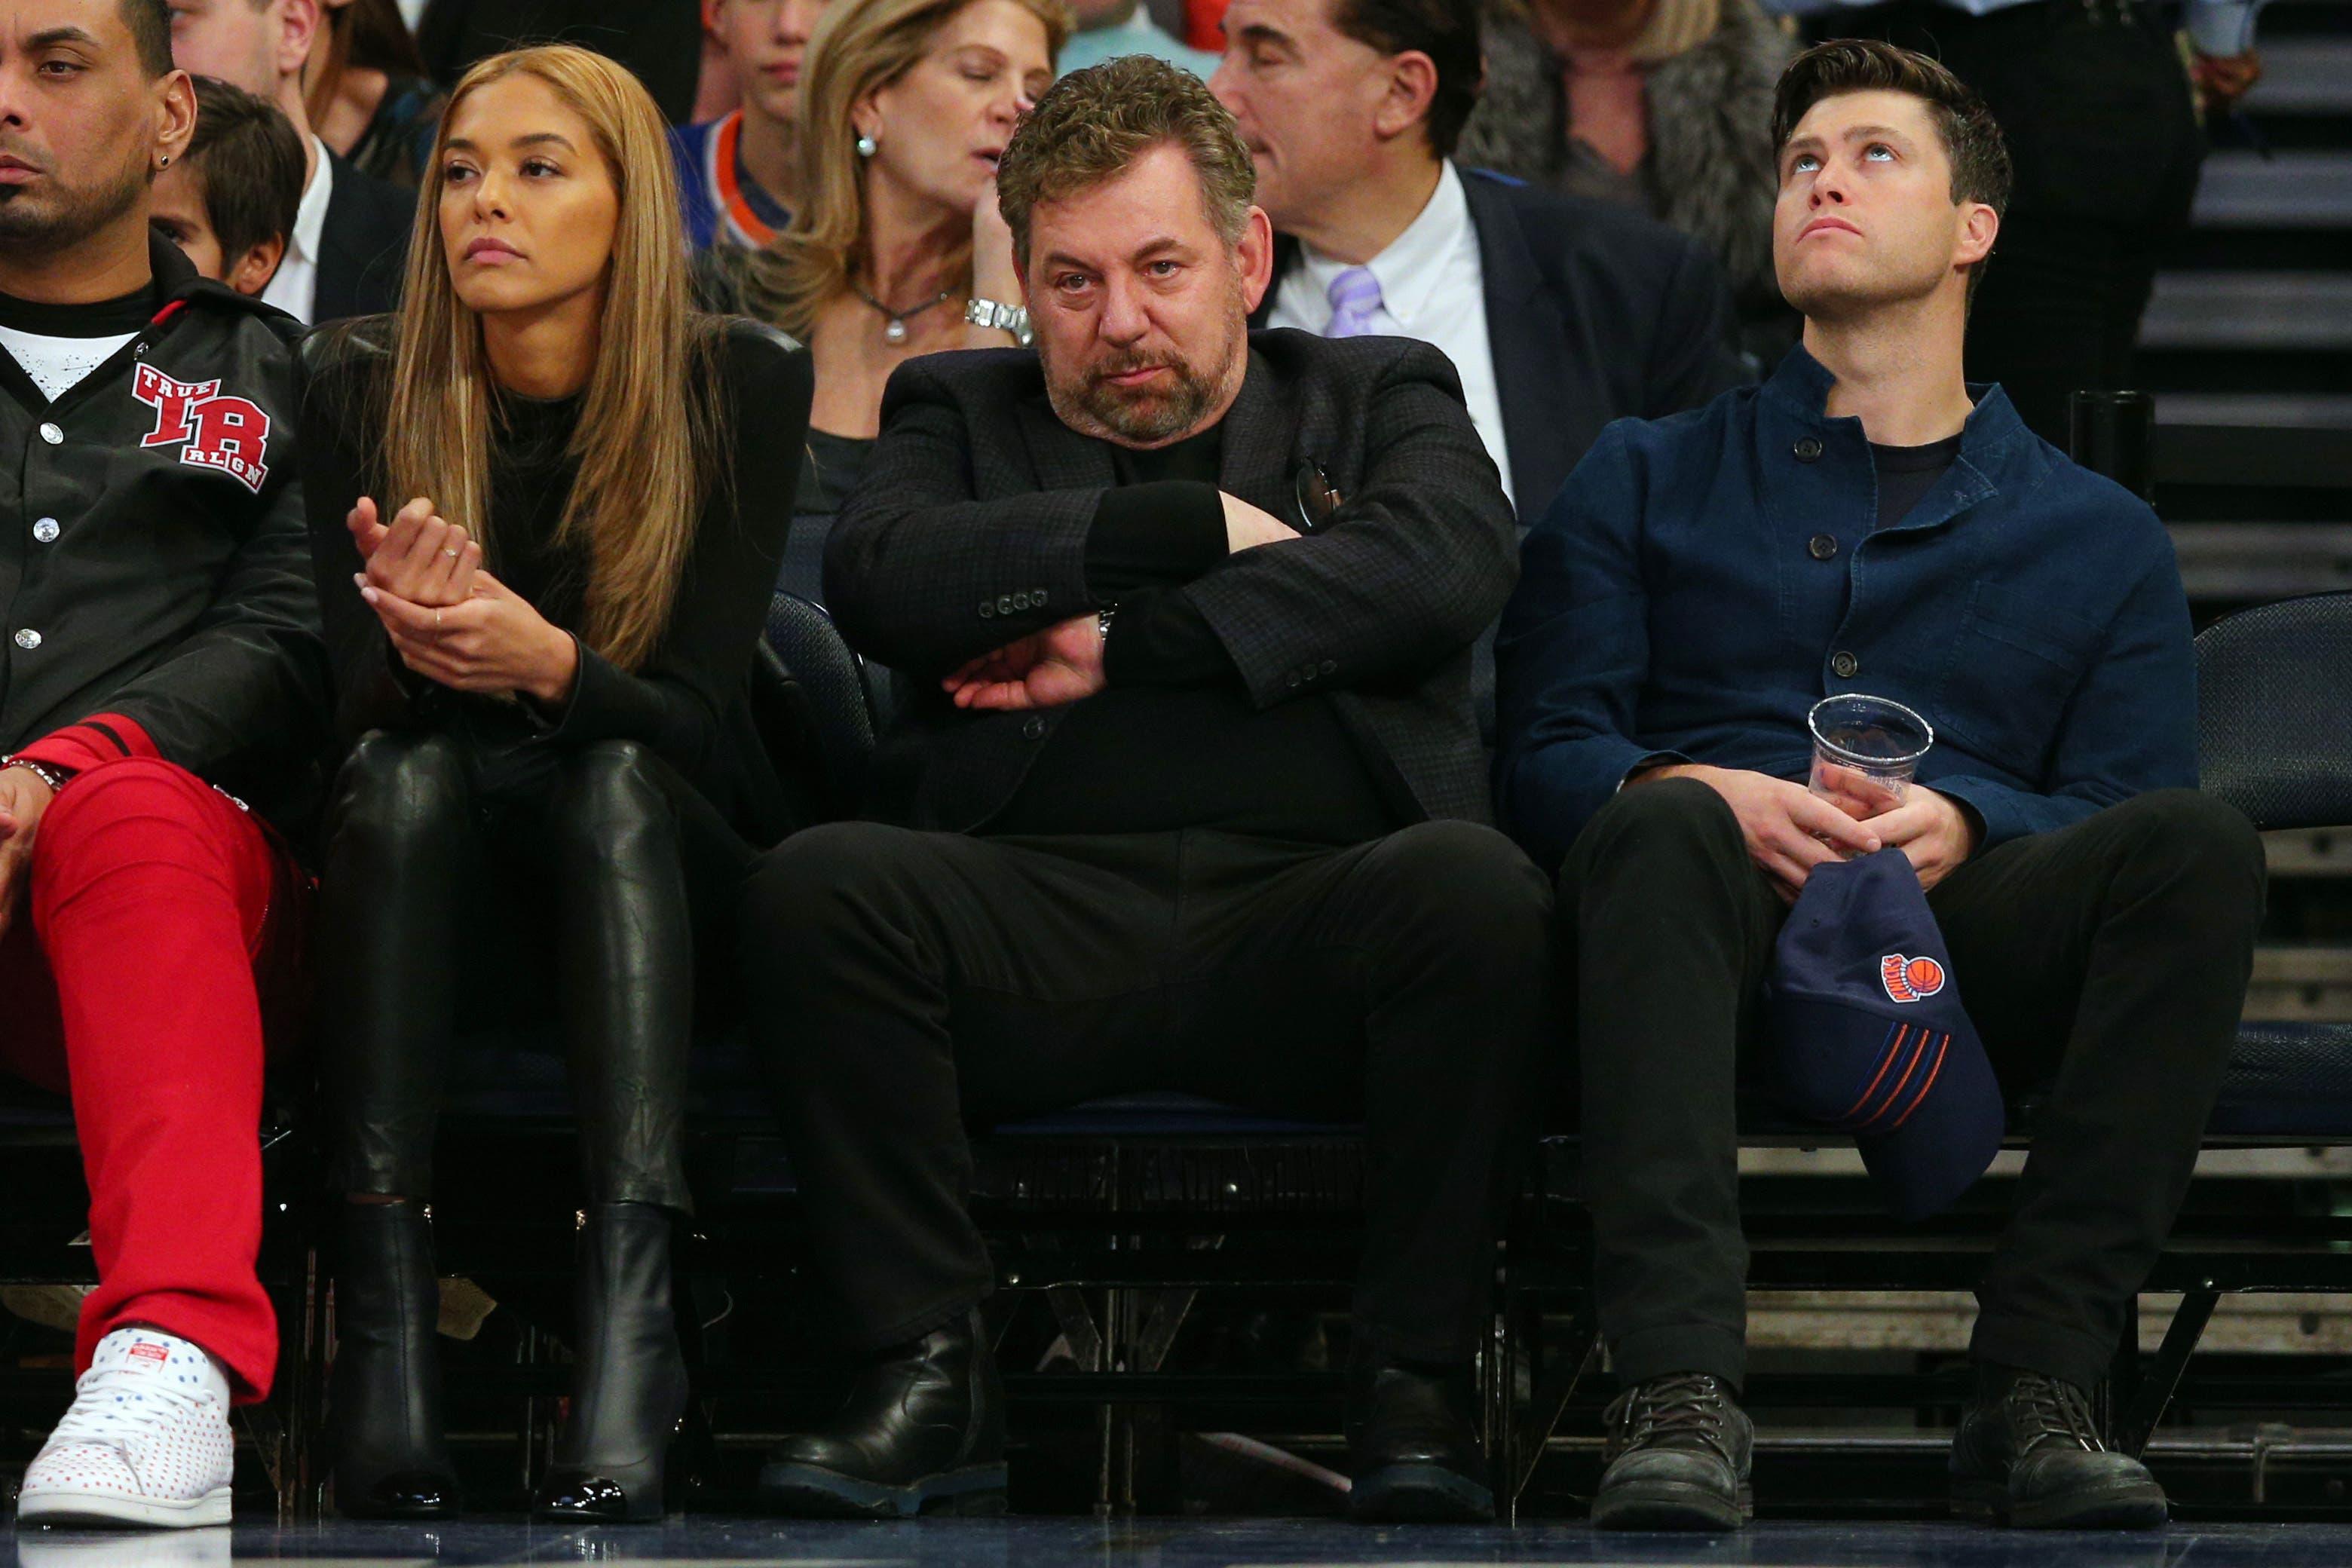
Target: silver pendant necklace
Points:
(894, 324)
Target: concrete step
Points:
(2294, 312)
(2303, 76)
(2297, 189)
(2253, 561)
(2305, 410)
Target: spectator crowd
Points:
(1365, 525)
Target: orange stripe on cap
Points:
(1894, 1050)
(1896, 1093)
(730, 188)
(1920, 1098)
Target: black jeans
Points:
(2102, 131)
(469, 888)
(2104, 963)
(905, 985)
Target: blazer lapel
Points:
(1255, 457)
(336, 288)
(1530, 347)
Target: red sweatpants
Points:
(161, 914)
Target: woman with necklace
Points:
(897, 249)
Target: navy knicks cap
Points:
(1869, 1038)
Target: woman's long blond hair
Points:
(647, 440)
(859, 46)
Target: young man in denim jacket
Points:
(1866, 521)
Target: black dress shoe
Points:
(385, 1392)
(2027, 1455)
(1677, 1457)
(1413, 1444)
(921, 1432)
(629, 1388)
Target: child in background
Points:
(229, 202)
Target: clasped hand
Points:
(449, 619)
(1790, 830)
(1064, 663)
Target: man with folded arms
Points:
(160, 648)
(1193, 800)
(1866, 521)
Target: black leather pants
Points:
(470, 888)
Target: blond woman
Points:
(897, 244)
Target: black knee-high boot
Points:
(385, 1394)
(629, 1387)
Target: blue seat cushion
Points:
(2287, 1081)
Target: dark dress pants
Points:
(472, 888)
(904, 986)
(2104, 964)
(2102, 130)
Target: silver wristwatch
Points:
(55, 777)
(1001, 317)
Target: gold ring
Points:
(450, 554)
(436, 620)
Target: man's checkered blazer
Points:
(969, 530)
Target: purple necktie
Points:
(1355, 297)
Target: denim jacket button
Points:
(1821, 547)
(1807, 450)
(1843, 665)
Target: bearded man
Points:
(1194, 799)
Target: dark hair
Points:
(1971, 137)
(249, 159)
(150, 22)
(1093, 124)
(1444, 30)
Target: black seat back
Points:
(2274, 711)
(834, 681)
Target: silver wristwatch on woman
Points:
(1001, 317)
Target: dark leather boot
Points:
(1678, 1458)
(921, 1432)
(628, 1374)
(385, 1392)
(1413, 1444)
(2027, 1455)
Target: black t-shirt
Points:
(1176, 741)
(1906, 475)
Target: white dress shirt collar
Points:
(1408, 269)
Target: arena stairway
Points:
(2251, 320)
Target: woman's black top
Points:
(836, 464)
(690, 703)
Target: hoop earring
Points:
(867, 146)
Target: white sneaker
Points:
(147, 1440)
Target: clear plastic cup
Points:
(1865, 751)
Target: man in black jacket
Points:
(159, 649)
(350, 241)
(1192, 800)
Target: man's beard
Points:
(1089, 404)
(30, 225)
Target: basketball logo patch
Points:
(1909, 979)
